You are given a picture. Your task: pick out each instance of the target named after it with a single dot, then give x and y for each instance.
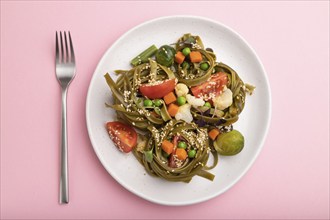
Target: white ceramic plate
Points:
(231, 49)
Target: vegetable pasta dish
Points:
(176, 108)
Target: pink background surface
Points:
(290, 178)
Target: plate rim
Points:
(262, 140)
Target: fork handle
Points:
(64, 189)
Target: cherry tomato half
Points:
(212, 87)
(159, 90)
(123, 136)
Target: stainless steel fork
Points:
(65, 72)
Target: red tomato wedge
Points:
(212, 87)
(159, 90)
(123, 136)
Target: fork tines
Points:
(68, 56)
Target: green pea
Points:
(207, 104)
(182, 144)
(157, 103)
(181, 100)
(204, 66)
(147, 102)
(191, 153)
(185, 65)
(186, 51)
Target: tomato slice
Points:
(159, 90)
(212, 87)
(123, 136)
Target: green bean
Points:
(144, 56)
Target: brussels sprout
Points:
(165, 55)
(230, 143)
